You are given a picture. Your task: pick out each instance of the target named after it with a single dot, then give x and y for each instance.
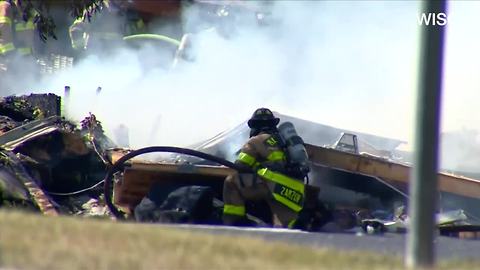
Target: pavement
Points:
(388, 243)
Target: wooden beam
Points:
(388, 170)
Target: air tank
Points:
(295, 147)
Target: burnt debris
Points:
(46, 160)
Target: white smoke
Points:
(335, 63)
(324, 61)
(460, 118)
(349, 64)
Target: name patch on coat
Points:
(288, 193)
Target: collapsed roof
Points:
(227, 143)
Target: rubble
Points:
(53, 166)
(10, 188)
(44, 156)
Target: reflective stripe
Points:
(24, 51)
(5, 19)
(6, 48)
(33, 13)
(292, 223)
(295, 207)
(282, 180)
(288, 191)
(140, 24)
(24, 26)
(78, 20)
(237, 210)
(78, 43)
(246, 158)
(276, 156)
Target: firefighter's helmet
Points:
(263, 117)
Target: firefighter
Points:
(218, 18)
(16, 34)
(265, 156)
(105, 30)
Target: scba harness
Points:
(287, 190)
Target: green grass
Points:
(36, 242)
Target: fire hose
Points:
(152, 37)
(119, 165)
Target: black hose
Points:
(119, 166)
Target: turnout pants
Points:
(239, 188)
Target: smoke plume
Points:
(349, 64)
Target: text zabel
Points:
(432, 19)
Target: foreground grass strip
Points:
(36, 242)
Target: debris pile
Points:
(56, 167)
(49, 164)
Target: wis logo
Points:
(432, 19)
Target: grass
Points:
(36, 242)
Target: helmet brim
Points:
(255, 123)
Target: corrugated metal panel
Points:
(13, 138)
